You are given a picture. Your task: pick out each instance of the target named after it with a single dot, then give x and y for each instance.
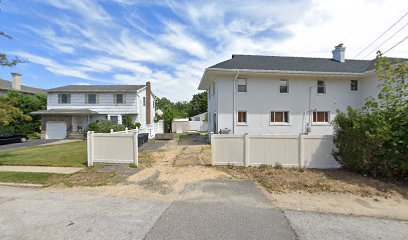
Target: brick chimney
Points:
(148, 103)
(16, 81)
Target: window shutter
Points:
(124, 98)
(115, 101)
(59, 98)
(86, 98)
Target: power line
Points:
(382, 34)
(396, 45)
(378, 47)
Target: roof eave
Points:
(287, 72)
(201, 86)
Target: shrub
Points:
(127, 121)
(374, 139)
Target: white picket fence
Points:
(151, 129)
(112, 148)
(309, 151)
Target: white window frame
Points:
(287, 86)
(321, 123)
(246, 84)
(324, 86)
(246, 118)
(87, 98)
(60, 98)
(115, 98)
(110, 118)
(351, 85)
(285, 123)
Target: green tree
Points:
(198, 104)
(374, 139)
(10, 115)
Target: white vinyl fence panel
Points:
(310, 151)
(112, 148)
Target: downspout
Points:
(233, 102)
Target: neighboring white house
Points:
(71, 108)
(285, 95)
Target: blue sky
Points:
(170, 43)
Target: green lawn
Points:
(62, 155)
(23, 177)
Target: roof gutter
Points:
(288, 72)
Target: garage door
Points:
(56, 130)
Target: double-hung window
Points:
(321, 117)
(91, 98)
(242, 84)
(64, 98)
(321, 87)
(119, 98)
(114, 119)
(283, 86)
(279, 117)
(353, 85)
(242, 117)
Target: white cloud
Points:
(89, 9)
(172, 52)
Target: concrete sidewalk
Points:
(39, 169)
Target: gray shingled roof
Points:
(97, 88)
(279, 63)
(6, 85)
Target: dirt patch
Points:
(318, 181)
(159, 177)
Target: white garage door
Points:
(56, 130)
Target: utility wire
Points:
(378, 47)
(396, 45)
(381, 35)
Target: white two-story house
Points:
(285, 95)
(71, 108)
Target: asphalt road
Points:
(222, 209)
(29, 143)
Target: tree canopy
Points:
(197, 105)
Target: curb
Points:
(28, 185)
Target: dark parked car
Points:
(12, 138)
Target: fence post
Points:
(135, 149)
(301, 151)
(90, 148)
(246, 150)
(126, 130)
(111, 131)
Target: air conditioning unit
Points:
(225, 131)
